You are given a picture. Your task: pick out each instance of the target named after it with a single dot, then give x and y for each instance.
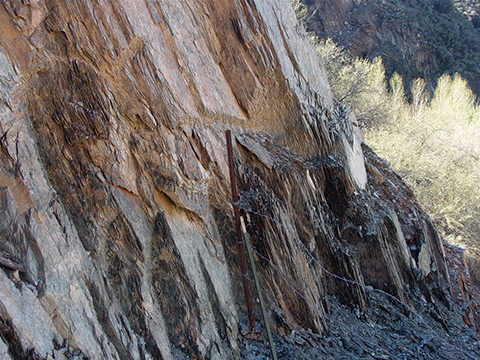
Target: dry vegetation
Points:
(433, 142)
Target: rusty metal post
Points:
(240, 242)
(259, 288)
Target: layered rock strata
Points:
(115, 220)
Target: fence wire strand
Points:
(367, 288)
(341, 278)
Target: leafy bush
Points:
(358, 83)
(433, 143)
(435, 147)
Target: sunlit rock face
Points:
(116, 226)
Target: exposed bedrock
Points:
(116, 227)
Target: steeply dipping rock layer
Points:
(115, 220)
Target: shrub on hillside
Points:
(355, 82)
(433, 143)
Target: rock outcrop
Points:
(417, 39)
(116, 226)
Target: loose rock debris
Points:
(387, 330)
(377, 334)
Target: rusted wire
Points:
(370, 288)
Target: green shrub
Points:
(434, 143)
(435, 146)
(358, 83)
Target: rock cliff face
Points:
(116, 226)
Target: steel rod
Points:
(259, 290)
(240, 242)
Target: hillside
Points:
(416, 38)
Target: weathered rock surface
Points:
(417, 39)
(115, 221)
